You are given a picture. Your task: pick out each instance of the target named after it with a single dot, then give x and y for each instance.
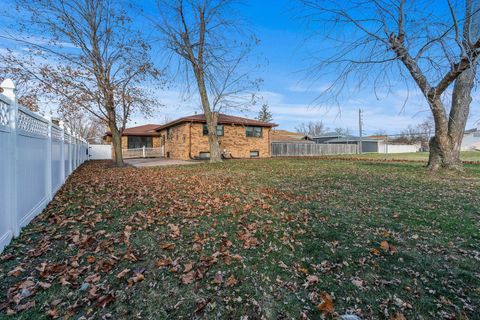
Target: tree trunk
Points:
(117, 145)
(211, 118)
(446, 145)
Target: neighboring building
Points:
(378, 144)
(288, 136)
(327, 136)
(471, 140)
(138, 137)
(187, 137)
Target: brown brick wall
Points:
(234, 141)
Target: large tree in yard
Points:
(85, 55)
(210, 44)
(432, 44)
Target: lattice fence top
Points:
(3, 114)
(56, 133)
(31, 124)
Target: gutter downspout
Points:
(190, 140)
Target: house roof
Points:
(284, 135)
(145, 130)
(471, 130)
(222, 119)
(351, 139)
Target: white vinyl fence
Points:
(142, 153)
(280, 149)
(36, 157)
(100, 151)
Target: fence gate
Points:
(100, 151)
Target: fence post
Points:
(9, 91)
(48, 161)
(62, 152)
(143, 151)
(69, 151)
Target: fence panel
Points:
(6, 233)
(280, 149)
(35, 159)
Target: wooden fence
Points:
(280, 149)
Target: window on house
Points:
(219, 130)
(204, 155)
(135, 142)
(254, 154)
(255, 132)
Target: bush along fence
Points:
(35, 159)
(310, 149)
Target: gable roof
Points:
(222, 119)
(145, 130)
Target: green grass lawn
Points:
(266, 239)
(413, 156)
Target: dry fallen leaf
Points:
(123, 273)
(326, 306)
(188, 267)
(303, 270)
(231, 281)
(90, 259)
(136, 278)
(44, 285)
(188, 277)
(164, 262)
(104, 300)
(312, 279)
(167, 246)
(397, 316)
(16, 272)
(218, 279)
(53, 313)
(388, 247)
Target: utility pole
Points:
(360, 120)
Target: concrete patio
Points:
(158, 162)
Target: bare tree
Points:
(86, 125)
(379, 41)
(202, 36)
(85, 55)
(342, 131)
(312, 128)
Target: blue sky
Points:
(286, 58)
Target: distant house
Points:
(289, 137)
(471, 140)
(378, 144)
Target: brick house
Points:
(187, 138)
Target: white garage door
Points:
(100, 151)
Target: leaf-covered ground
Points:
(467, 156)
(251, 239)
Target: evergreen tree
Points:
(264, 114)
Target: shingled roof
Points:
(222, 119)
(145, 130)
